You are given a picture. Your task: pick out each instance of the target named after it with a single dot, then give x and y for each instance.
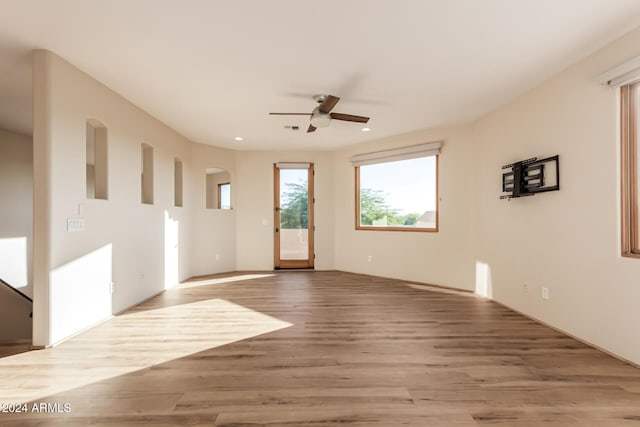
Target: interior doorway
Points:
(293, 217)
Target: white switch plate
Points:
(75, 225)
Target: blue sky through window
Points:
(408, 185)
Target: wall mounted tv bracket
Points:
(531, 176)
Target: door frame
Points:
(293, 263)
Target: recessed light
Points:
(238, 138)
(365, 129)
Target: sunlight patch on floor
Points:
(129, 343)
(438, 289)
(221, 280)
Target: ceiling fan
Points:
(321, 115)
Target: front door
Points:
(293, 219)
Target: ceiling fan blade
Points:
(289, 114)
(328, 104)
(349, 118)
(312, 128)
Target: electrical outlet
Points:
(370, 258)
(545, 293)
(525, 288)
(217, 257)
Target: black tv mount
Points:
(531, 176)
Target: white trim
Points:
(212, 171)
(291, 165)
(405, 153)
(622, 74)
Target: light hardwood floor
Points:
(320, 349)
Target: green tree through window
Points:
(374, 207)
(294, 213)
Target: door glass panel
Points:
(294, 214)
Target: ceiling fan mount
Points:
(320, 98)
(321, 116)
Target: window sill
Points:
(419, 230)
(630, 255)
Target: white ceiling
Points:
(213, 70)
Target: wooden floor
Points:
(319, 349)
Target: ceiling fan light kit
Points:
(320, 120)
(321, 116)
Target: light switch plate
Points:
(75, 224)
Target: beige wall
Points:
(214, 230)
(140, 248)
(443, 258)
(569, 240)
(16, 210)
(16, 233)
(254, 207)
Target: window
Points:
(218, 188)
(630, 160)
(177, 182)
(147, 175)
(224, 195)
(398, 189)
(96, 160)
